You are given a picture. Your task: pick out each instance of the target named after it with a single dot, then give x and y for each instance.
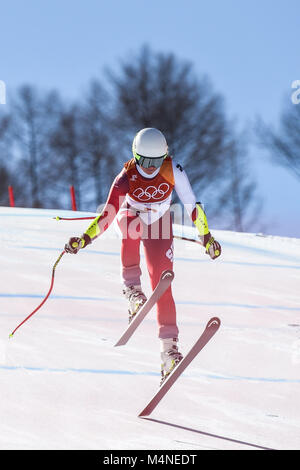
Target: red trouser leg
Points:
(158, 247)
(131, 229)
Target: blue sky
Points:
(249, 50)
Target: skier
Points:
(140, 198)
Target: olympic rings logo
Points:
(151, 192)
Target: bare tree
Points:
(96, 139)
(66, 151)
(240, 207)
(4, 183)
(284, 143)
(5, 158)
(57, 144)
(32, 115)
(158, 90)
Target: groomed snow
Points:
(65, 386)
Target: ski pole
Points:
(42, 303)
(188, 239)
(217, 252)
(88, 218)
(73, 218)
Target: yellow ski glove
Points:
(212, 247)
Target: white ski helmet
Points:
(149, 147)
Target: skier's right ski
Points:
(210, 329)
(165, 281)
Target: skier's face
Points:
(149, 170)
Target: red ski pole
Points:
(49, 292)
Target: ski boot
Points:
(170, 357)
(136, 299)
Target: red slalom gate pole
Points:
(11, 196)
(73, 199)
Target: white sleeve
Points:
(183, 188)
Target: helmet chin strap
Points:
(147, 175)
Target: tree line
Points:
(48, 143)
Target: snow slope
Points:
(64, 385)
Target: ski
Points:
(210, 329)
(165, 281)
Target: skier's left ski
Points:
(211, 328)
(165, 281)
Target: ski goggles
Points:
(147, 162)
